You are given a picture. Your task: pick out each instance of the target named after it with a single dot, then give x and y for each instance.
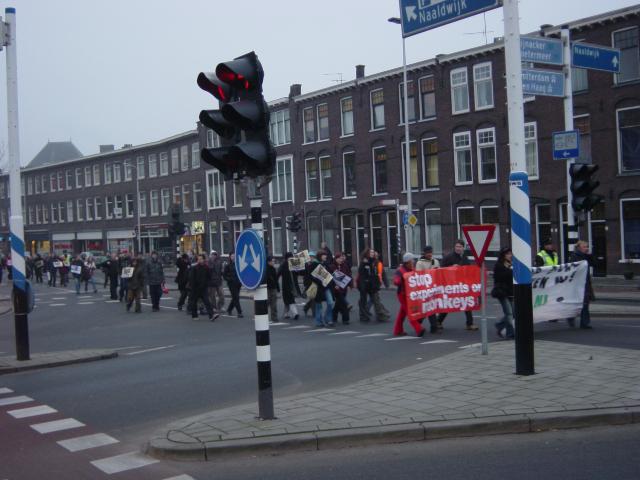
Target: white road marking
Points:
(297, 327)
(121, 463)
(150, 350)
(14, 400)
(473, 345)
(85, 303)
(32, 411)
(406, 337)
(324, 330)
(128, 348)
(88, 441)
(4, 390)
(625, 326)
(58, 298)
(181, 477)
(161, 306)
(369, 335)
(58, 305)
(346, 332)
(57, 425)
(83, 297)
(277, 324)
(439, 341)
(166, 298)
(112, 301)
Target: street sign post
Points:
(251, 259)
(595, 57)
(422, 15)
(479, 237)
(548, 83)
(541, 50)
(566, 145)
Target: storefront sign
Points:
(197, 227)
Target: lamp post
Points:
(139, 232)
(407, 145)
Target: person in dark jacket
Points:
(369, 283)
(288, 288)
(342, 306)
(52, 269)
(123, 262)
(457, 257)
(182, 278)
(76, 270)
(38, 265)
(272, 289)
(323, 294)
(135, 285)
(216, 293)
(199, 288)
(154, 276)
(503, 291)
(233, 282)
(112, 271)
(580, 253)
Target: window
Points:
(349, 174)
(108, 207)
(379, 170)
(38, 220)
(630, 214)
(427, 97)
(175, 161)
(30, 217)
(280, 127)
(128, 205)
(627, 42)
(413, 160)
(531, 149)
(462, 152)
(313, 232)
(176, 195)
(142, 204)
(96, 175)
(328, 231)
(431, 178)
(282, 187)
(117, 173)
(89, 209)
(238, 193)
(377, 109)
(29, 186)
(69, 211)
(97, 206)
(197, 197)
(184, 158)
(346, 116)
(60, 182)
(165, 198)
(78, 178)
(52, 182)
(459, 91)
(579, 77)
(36, 184)
(80, 209)
(311, 172)
(43, 180)
(107, 173)
(629, 140)
(583, 125)
(213, 140)
(323, 121)
(118, 207)
(487, 168)
(88, 176)
(482, 86)
(140, 168)
(128, 170)
(543, 223)
(195, 155)
(227, 241)
(491, 216)
(153, 166)
(215, 190)
(309, 125)
(54, 213)
(186, 198)
(465, 217)
(433, 229)
(164, 164)
(326, 190)
(68, 179)
(411, 101)
(154, 203)
(2, 191)
(276, 236)
(45, 214)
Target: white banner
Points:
(558, 291)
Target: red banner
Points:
(451, 289)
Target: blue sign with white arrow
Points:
(566, 145)
(421, 15)
(595, 57)
(251, 259)
(548, 83)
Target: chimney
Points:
(127, 145)
(107, 148)
(543, 28)
(359, 71)
(295, 90)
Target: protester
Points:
(76, 270)
(52, 271)
(323, 294)
(216, 293)
(369, 281)
(547, 257)
(325, 248)
(457, 257)
(123, 262)
(135, 285)
(272, 289)
(342, 306)
(199, 288)
(112, 271)
(64, 270)
(310, 304)
(428, 262)
(580, 253)
(38, 264)
(288, 288)
(87, 274)
(408, 260)
(182, 278)
(503, 291)
(154, 276)
(233, 282)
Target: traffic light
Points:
(176, 226)
(583, 186)
(295, 223)
(242, 119)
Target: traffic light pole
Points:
(263, 342)
(16, 222)
(572, 228)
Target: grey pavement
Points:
(461, 394)
(9, 364)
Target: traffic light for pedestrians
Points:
(294, 224)
(176, 226)
(583, 187)
(242, 119)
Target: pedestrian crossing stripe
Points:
(346, 332)
(369, 335)
(439, 341)
(406, 337)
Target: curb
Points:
(162, 448)
(55, 363)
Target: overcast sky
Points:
(122, 72)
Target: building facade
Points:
(340, 162)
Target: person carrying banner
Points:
(547, 257)
(87, 274)
(136, 284)
(324, 293)
(76, 271)
(580, 253)
(503, 291)
(457, 257)
(288, 288)
(408, 260)
(342, 306)
(428, 262)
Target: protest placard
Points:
(76, 269)
(127, 272)
(558, 291)
(296, 264)
(341, 279)
(323, 275)
(57, 264)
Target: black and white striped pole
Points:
(263, 345)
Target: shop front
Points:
(155, 237)
(62, 242)
(193, 239)
(121, 241)
(37, 241)
(91, 242)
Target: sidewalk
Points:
(9, 364)
(461, 394)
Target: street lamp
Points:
(407, 146)
(138, 233)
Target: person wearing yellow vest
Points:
(547, 257)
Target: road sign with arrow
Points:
(566, 145)
(251, 259)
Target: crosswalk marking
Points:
(277, 324)
(406, 337)
(181, 477)
(314, 330)
(85, 303)
(370, 335)
(5, 390)
(121, 463)
(86, 442)
(57, 425)
(473, 345)
(297, 327)
(15, 400)
(346, 332)
(85, 296)
(150, 350)
(31, 411)
(58, 298)
(112, 301)
(58, 305)
(439, 341)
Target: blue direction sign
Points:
(421, 15)
(251, 259)
(595, 57)
(542, 82)
(541, 50)
(566, 145)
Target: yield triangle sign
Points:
(479, 237)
